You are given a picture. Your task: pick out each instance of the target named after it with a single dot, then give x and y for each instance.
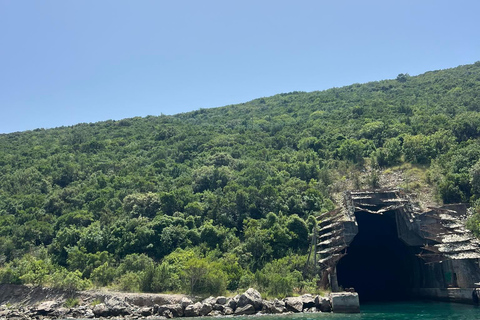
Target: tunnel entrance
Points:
(378, 265)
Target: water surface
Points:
(395, 311)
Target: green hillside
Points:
(225, 198)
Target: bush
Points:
(63, 279)
(281, 277)
(129, 282)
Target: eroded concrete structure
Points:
(387, 248)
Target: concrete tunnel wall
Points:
(378, 265)
(386, 247)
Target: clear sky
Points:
(66, 62)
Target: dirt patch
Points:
(27, 296)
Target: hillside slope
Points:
(225, 198)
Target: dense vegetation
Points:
(226, 198)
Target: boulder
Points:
(311, 310)
(274, 307)
(245, 310)
(232, 303)
(221, 300)
(345, 302)
(210, 300)
(308, 301)
(227, 311)
(323, 304)
(101, 310)
(145, 311)
(294, 304)
(45, 308)
(218, 307)
(60, 312)
(198, 309)
(251, 296)
(193, 310)
(119, 310)
(89, 314)
(185, 302)
(205, 309)
(175, 310)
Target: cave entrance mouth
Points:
(378, 265)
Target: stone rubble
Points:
(248, 303)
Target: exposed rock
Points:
(308, 301)
(227, 311)
(205, 309)
(215, 313)
(45, 308)
(312, 309)
(323, 304)
(232, 303)
(244, 310)
(185, 302)
(101, 310)
(274, 307)
(221, 300)
(60, 312)
(345, 302)
(193, 310)
(176, 309)
(146, 311)
(89, 314)
(210, 300)
(294, 304)
(251, 296)
(218, 307)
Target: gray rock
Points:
(185, 302)
(251, 296)
(227, 311)
(345, 302)
(274, 307)
(205, 309)
(232, 303)
(210, 300)
(308, 301)
(176, 309)
(311, 310)
(89, 314)
(45, 308)
(60, 312)
(101, 310)
(221, 300)
(245, 310)
(214, 313)
(218, 307)
(294, 304)
(323, 304)
(193, 310)
(146, 311)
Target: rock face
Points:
(345, 302)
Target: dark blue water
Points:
(396, 311)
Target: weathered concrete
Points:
(460, 295)
(345, 302)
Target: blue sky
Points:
(66, 62)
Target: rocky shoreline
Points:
(44, 303)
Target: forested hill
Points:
(224, 198)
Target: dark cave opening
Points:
(378, 265)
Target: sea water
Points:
(395, 311)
